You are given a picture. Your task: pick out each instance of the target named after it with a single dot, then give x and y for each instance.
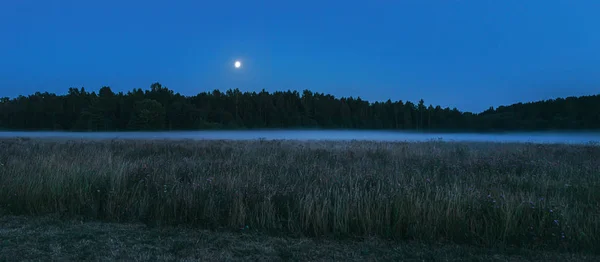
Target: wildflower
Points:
(551, 211)
(428, 180)
(489, 196)
(494, 201)
(502, 196)
(556, 221)
(541, 199)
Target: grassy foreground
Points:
(45, 238)
(486, 195)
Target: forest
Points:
(160, 108)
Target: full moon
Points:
(237, 64)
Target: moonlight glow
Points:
(237, 64)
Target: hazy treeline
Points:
(160, 108)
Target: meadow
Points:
(488, 195)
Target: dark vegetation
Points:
(542, 197)
(161, 109)
(50, 238)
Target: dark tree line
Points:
(159, 108)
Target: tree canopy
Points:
(159, 108)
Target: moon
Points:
(237, 64)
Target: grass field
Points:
(475, 195)
(45, 238)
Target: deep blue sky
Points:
(456, 53)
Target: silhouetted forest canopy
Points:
(159, 108)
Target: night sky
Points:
(465, 54)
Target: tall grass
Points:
(525, 195)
